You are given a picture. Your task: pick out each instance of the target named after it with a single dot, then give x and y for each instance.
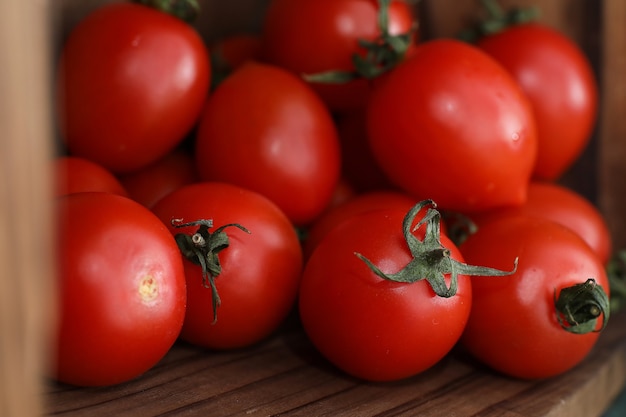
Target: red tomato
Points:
(230, 52)
(562, 205)
(73, 174)
(385, 328)
(121, 286)
(362, 203)
(560, 83)
(131, 83)
(358, 165)
(155, 181)
(451, 124)
(260, 270)
(314, 36)
(264, 129)
(514, 324)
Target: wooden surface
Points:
(25, 256)
(285, 376)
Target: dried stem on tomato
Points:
(431, 260)
(578, 307)
(203, 248)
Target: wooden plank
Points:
(612, 152)
(286, 376)
(25, 249)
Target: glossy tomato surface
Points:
(361, 203)
(563, 205)
(131, 83)
(264, 129)
(73, 174)
(559, 80)
(260, 268)
(370, 327)
(314, 36)
(513, 326)
(149, 184)
(452, 125)
(121, 287)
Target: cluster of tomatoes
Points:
(400, 193)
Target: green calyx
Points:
(498, 20)
(616, 272)
(381, 55)
(431, 260)
(203, 248)
(186, 10)
(579, 307)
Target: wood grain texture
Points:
(611, 163)
(285, 376)
(25, 224)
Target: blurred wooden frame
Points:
(30, 31)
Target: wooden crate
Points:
(30, 35)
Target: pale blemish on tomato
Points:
(148, 289)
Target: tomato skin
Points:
(264, 129)
(131, 84)
(73, 174)
(513, 325)
(560, 83)
(158, 179)
(361, 203)
(562, 205)
(450, 124)
(121, 286)
(370, 327)
(260, 271)
(314, 36)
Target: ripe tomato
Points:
(121, 286)
(264, 129)
(131, 83)
(358, 165)
(73, 174)
(158, 179)
(560, 83)
(315, 36)
(514, 326)
(565, 206)
(362, 203)
(258, 271)
(395, 322)
(451, 124)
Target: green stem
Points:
(382, 54)
(578, 307)
(186, 10)
(431, 260)
(203, 248)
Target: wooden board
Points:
(285, 376)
